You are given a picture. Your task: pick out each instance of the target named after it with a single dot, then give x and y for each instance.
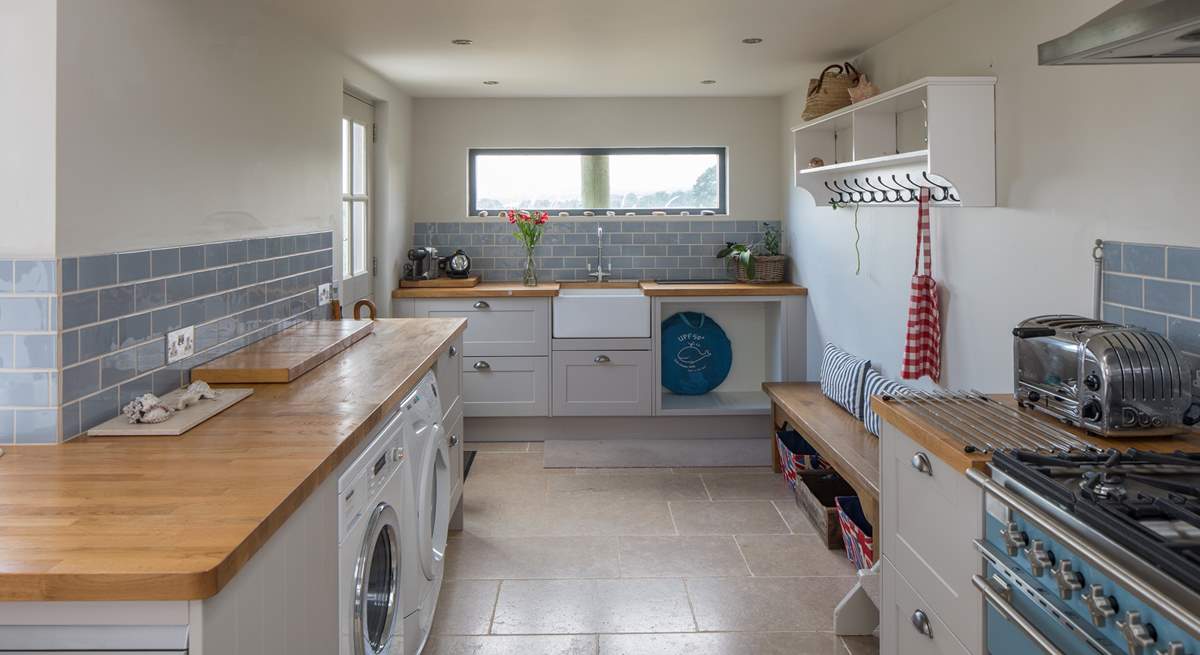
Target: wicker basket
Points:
(830, 91)
(767, 268)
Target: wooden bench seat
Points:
(837, 436)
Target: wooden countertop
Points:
(516, 289)
(175, 518)
(950, 450)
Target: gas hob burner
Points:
(1104, 484)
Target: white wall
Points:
(183, 122)
(1082, 153)
(27, 59)
(444, 129)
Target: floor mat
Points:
(468, 460)
(668, 453)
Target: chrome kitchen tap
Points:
(599, 274)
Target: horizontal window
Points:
(598, 180)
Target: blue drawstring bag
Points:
(696, 354)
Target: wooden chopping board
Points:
(286, 356)
(180, 422)
(441, 283)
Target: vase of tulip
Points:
(530, 227)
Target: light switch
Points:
(324, 294)
(181, 344)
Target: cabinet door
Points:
(454, 433)
(506, 386)
(448, 370)
(907, 624)
(602, 383)
(496, 327)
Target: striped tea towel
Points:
(923, 343)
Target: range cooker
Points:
(1091, 552)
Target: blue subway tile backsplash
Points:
(1155, 287)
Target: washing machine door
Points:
(377, 583)
(433, 512)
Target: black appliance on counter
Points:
(457, 266)
(422, 264)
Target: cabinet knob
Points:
(920, 621)
(481, 304)
(453, 440)
(602, 359)
(482, 365)
(453, 351)
(920, 461)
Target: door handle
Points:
(920, 461)
(1005, 609)
(601, 359)
(920, 621)
(481, 304)
(453, 440)
(482, 366)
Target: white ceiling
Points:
(602, 47)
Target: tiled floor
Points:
(635, 561)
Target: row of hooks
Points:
(852, 192)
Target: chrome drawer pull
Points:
(481, 304)
(602, 359)
(453, 351)
(482, 366)
(1005, 609)
(920, 621)
(920, 461)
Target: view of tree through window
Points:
(617, 179)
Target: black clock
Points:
(458, 265)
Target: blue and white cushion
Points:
(877, 385)
(842, 378)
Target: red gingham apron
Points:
(923, 343)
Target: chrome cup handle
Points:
(602, 359)
(482, 366)
(920, 461)
(481, 304)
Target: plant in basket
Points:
(530, 228)
(759, 262)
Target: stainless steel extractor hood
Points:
(1132, 32)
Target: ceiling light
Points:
(462, 42)
(491, 82)
(708, 81)
(754, 40)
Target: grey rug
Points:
(658, 453)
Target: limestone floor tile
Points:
(465, 607)
(721, 643)
(584, 516)
(512, 645)
(661, 486)
(497, 558)
(761, 604)
(797, 520)
(497, 446)
(680, 557)
(727, 517)
(746, 486)
(537, 446)
(724, 470)
(509, 463)
(792, 555)
(592, 606)
(859, 645)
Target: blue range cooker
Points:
(1092, 553)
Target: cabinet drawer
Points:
(929, 520)
(899, 618)
(602, 383)
(448, 370)
(506, 386)
(454, 433)
(496, 327)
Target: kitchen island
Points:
(178, 525)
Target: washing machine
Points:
(377, 546)
(426, 442)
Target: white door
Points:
(358, 131)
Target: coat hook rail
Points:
(880, 191)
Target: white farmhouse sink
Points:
(601, 314)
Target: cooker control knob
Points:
(1014, 540)
(1039, 558)
(1092, 381)
(1173, 648)
(1033, 396)
(1068, 579)
(1092, 410)
(1138, 635)
(1099, 606)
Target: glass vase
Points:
(529, 277)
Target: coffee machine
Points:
(422, 264)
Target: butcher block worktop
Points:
(516, 289)
(175, 518)
(481, 290)
(938, 442)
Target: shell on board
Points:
(195, 392)
(146, 408)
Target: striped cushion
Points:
(877, 385)
(842, 377)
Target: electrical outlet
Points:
(181, 344)
(324, 293)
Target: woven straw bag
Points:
(830, 91)
(767, 268)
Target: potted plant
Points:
(759, 262)
(530, 227)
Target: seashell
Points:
(146, 408)
(195, 392)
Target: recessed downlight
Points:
(753, 40)
(462, 42)
(708, 81)
(491, 82)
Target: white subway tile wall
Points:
(635, 248)
(28, 352)
(1156, 287)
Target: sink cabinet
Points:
(602, 382)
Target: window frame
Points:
(722, 177)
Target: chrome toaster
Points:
(1108, 379)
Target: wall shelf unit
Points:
(939, 129)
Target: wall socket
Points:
(324, 294)
(181, 344)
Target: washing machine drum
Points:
(434, 511)
(376, 606)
